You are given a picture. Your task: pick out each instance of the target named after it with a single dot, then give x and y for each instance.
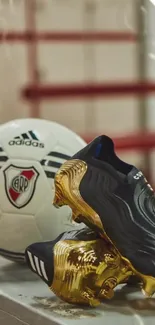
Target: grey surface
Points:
(24, 299)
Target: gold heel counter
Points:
(67, 183)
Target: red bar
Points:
(140, 142)
(32, 92)
(60, 36)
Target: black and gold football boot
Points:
(115, 199)
(79, 266)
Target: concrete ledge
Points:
(25, 300)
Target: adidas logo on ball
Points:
(27, 139)
(27, 143)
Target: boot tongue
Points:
(101, 148)
(93, 149)
(104, 148)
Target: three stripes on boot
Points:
(37, 265)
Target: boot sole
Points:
(92, 276)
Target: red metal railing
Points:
(59, 91)
(100, 36)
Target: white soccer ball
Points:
(31, 151)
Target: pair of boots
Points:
(117, 205)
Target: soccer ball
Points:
(31, 151)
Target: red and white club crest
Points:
(20, 183)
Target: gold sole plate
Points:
(86, 272)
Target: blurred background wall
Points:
(114, 59)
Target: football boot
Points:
(115, 199)
(79, 266)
